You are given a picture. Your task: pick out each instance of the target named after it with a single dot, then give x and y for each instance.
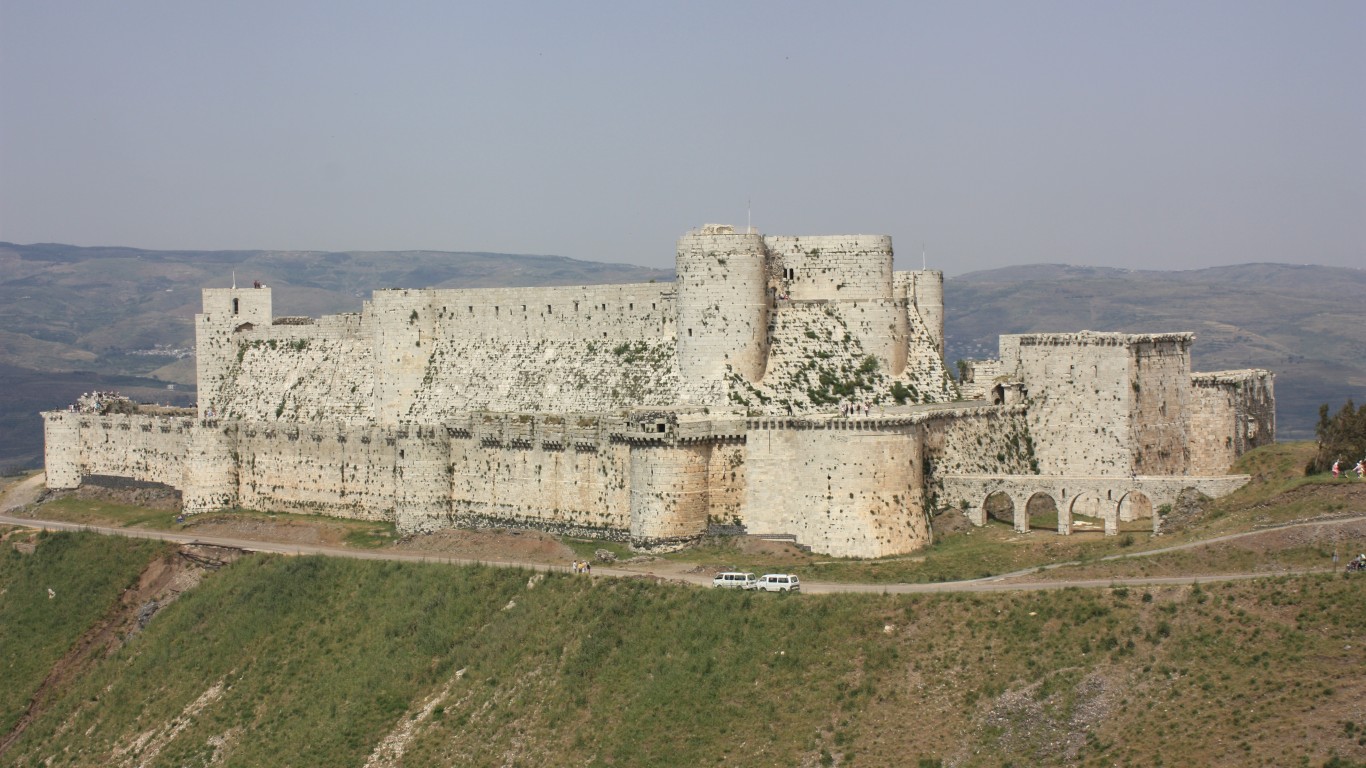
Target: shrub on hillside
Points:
(1341, 438)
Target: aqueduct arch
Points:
(1113, 499)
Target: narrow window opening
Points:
(234, 305)
(690, 333)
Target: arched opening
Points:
(1042, 511)
(1088, 512)
(1135, 506)
(999, 507)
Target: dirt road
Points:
(670, 572)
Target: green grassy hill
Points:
(315, 661)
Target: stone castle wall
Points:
(143, 447)
(1232, 412)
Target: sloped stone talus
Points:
(315, 372)
(1232, 412)
(815, 345)
(555, 376)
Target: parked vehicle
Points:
(779, 582)
(734, 580)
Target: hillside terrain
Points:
(76, 319)
(187, 656)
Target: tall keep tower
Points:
(722, 304)
(225, 311)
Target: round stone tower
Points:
(927, 293)
(722, 305)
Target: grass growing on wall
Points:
(86, 574)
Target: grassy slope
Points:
(86, 575)
(319, 659)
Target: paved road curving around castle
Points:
(1001, 583)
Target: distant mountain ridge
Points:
(125, 315)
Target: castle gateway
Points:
(783, 385)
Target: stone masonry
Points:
(786, 385)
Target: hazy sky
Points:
(1138, 134)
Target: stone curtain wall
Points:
(1232, 412)
(142, 447)
(548, 472)
(844, 487)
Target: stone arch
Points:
(1043, 512)
(1135, 505)
(998, 506)
(1088, 505)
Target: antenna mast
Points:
(749, 218)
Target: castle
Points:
(785, 386)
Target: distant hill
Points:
(126, 312)
(1306, 323)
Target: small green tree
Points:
(1341, 437)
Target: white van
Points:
(734, 580)
(779, 582)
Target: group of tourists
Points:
(854, 409)
(583, 566)
(1360, 469)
